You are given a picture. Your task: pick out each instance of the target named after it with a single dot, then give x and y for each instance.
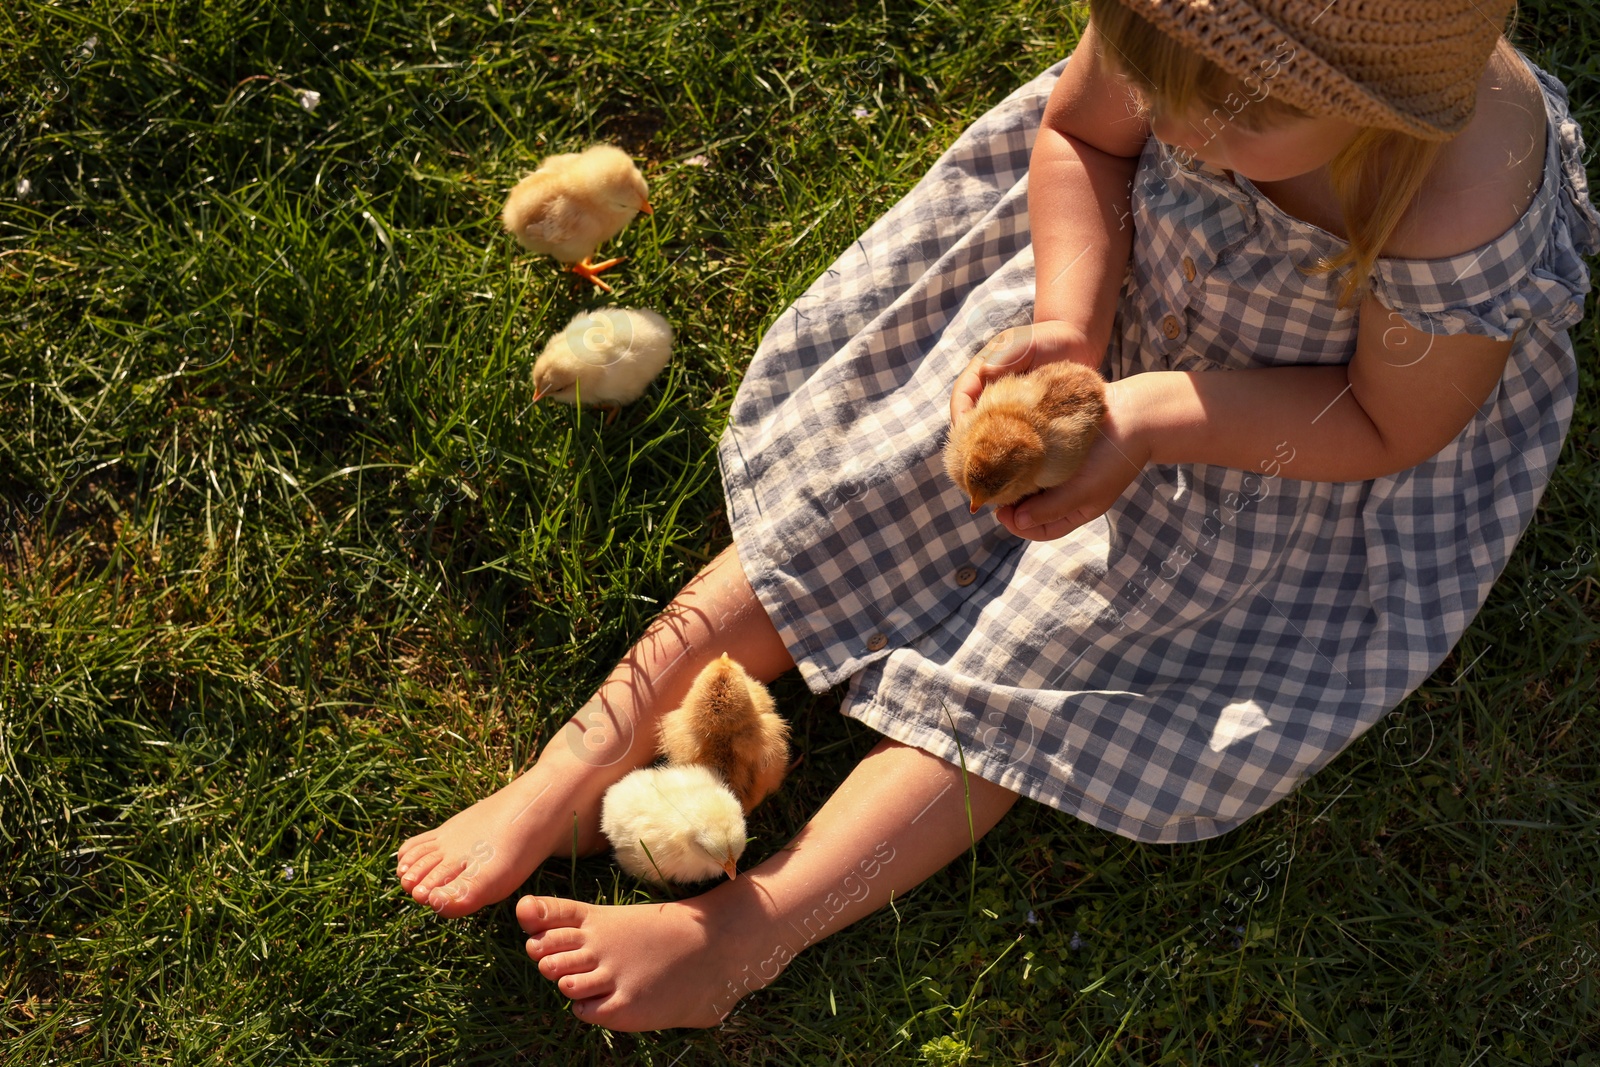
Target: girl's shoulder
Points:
(1483, 179)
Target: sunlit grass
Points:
(294, 569)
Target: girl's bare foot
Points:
(481, 855)
(642, 966)
(901, 815)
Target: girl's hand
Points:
(1014, 351)
(1114, 461)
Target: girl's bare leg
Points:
(900, 816)
(482, 854)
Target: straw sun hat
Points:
(1409, 65)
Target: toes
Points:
(594, 984)
(465, 894)
(453, 899)
(412, 850)
(446, 871)
(558, 965)
(538, 914)
(560, 939)
(411, 844)
(596, 1010)
(613, 1011)
(416, 869)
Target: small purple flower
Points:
(1076, 943)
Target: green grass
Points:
(292, 571)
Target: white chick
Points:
(1028, 432)
(574, 203)
(729, 722)
(604, 357)
(689, 822)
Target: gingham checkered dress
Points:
(1181, 664)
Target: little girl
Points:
(1326, 260)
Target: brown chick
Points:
(729, 723)
(1028, 432)
(574, 203)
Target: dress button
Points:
(876, 642)
(1188, 268)
(966, 575)
(1170, 327)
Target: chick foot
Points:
(481, 855)
(584, 269)
(640, 966)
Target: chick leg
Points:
(584, 269)
(485, 852)
(899, 817)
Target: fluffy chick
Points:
(729, 722)
(685, 817)
(1028, 432)
(606, 356)
(574, 203)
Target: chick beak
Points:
(538, 394)
(727, 865)
(978, 501)
(646, 208)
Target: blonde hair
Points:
(1374, 178)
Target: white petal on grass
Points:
(309, 99)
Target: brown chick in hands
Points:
(1028, 432)
(729, 722)
(575, 202)
(673, 824)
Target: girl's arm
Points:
(1080, 183)
(1403, 397)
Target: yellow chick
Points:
(729, 722)
(604, 357)
(574, 203)
(674, 824)
(1028, 432)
